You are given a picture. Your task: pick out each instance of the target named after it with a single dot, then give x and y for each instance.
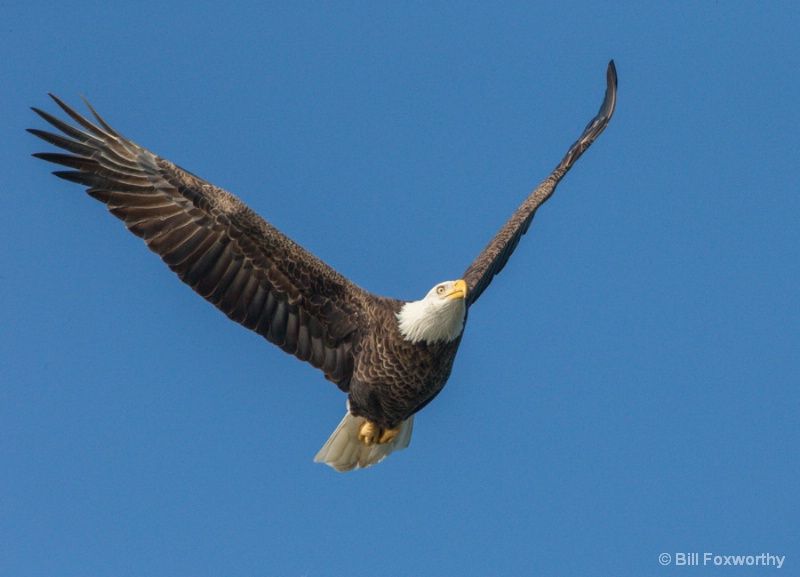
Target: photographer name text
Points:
(708, 559)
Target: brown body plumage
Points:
(263, 280)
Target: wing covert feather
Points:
(217, 245)
(494, 257)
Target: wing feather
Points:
(217, 245)
(494, 257)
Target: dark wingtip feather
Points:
(46, 115)
(99, 118)
(610, 100)
(65, 107)
(57, 100)
(63, 142)
(69, 160)
(79, 118)
(71, 175)
(612, 73)
(598, 124)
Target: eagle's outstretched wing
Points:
(229, 255)
(494, 257)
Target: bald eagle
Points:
(391, 357)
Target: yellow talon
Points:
(388, 435)
(369, 433)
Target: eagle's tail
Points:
(344, 452)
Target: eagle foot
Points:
(370, 434)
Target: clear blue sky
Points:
(627, 387)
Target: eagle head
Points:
(437, 318)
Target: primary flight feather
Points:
(391, 357)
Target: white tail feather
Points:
(344, 452)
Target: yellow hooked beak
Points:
(459, 290)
